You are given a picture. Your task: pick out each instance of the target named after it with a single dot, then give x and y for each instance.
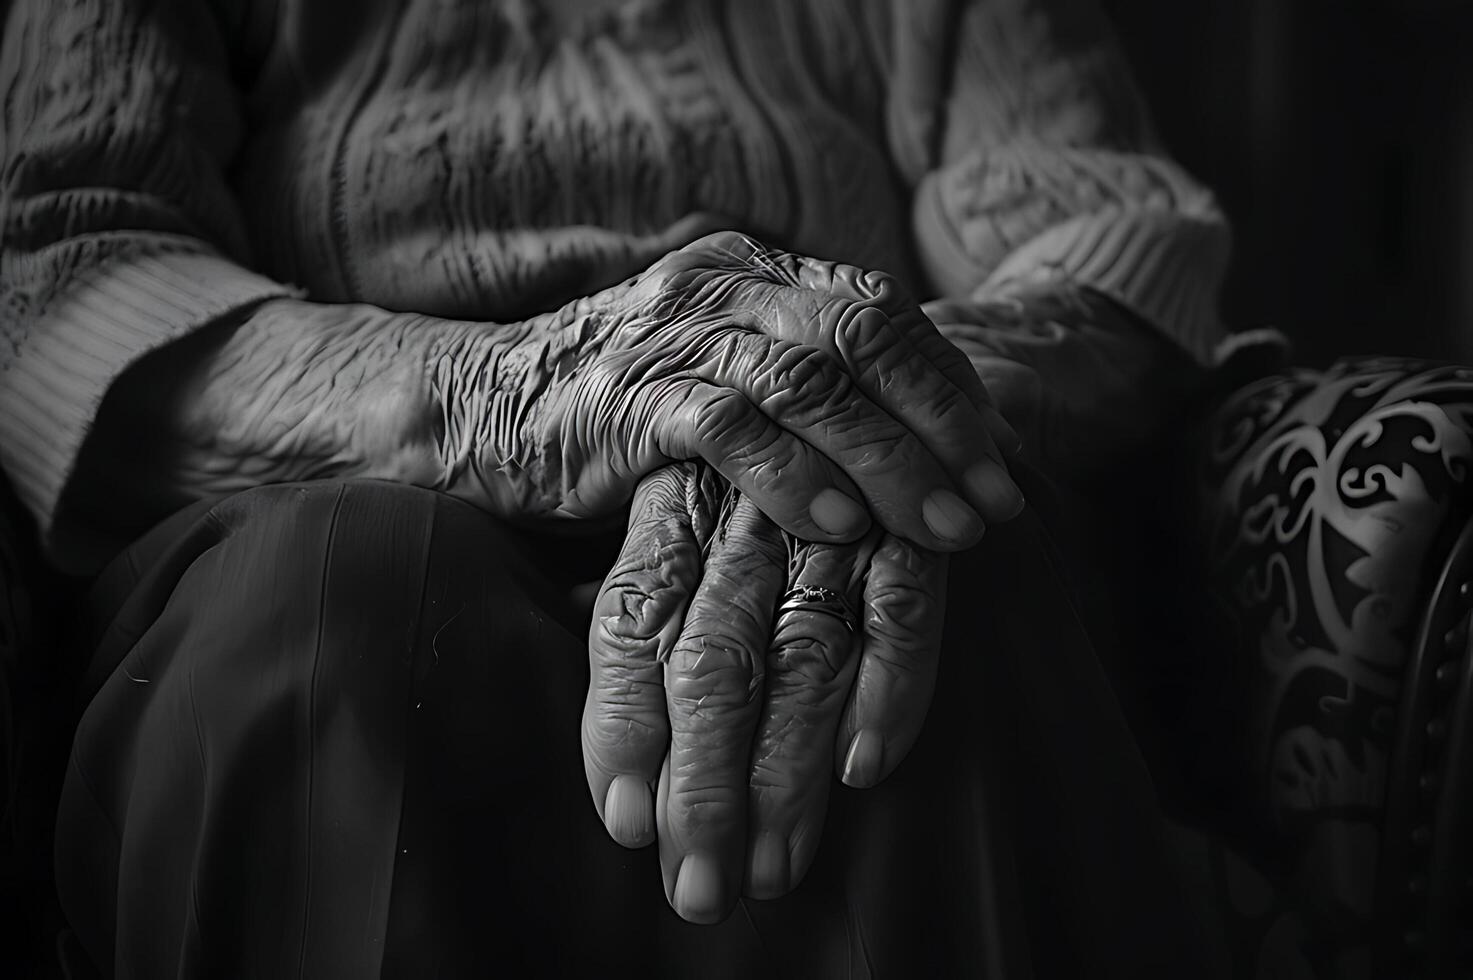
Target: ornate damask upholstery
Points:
(1336, 505)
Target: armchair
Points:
(1337, 510)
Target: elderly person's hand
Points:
(716, 710)
(818, 389)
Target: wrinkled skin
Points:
(711, 723)
(820, 390)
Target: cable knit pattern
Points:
(169, 162)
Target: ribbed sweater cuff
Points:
(1164, 265)
(52, 385)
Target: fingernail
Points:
(995, 490)
(865, 758)
(767, 868)
(629, 811)
(699, 892)
(949, 517)
(838, 513)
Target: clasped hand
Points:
(712, 721)
(818, 389)
(714, 718)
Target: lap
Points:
(336, 726)
(260, 668)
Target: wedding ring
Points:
(817, 599)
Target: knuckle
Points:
(712, 664)
(727, 420)
(866, 338)
(715, 724)
(796, 374)
(630, 615)
(902, 630)
(773, 776)
(630, 638)
(703, 801)
(879, 448)
(624, 693)
(617, 730)
(618, 645)
(883, 286)
(629, 618)
(909, 563)
(812, 660)
(702, 703)
(813, 653)
(901, 604)
(770, 472)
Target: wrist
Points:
(461, 365)
(483, 389)
(503, 400)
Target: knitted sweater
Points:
(167, 163)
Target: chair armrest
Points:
(1424, 885)
(1333, 500)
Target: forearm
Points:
(294, 391)
(705, 354)
(303, 391)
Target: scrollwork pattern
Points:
(1326, 496)
(1325, 492)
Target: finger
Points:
(927, 344)
(817, 304)
(821, 287)
(904, 616)
(713, 684)
(810, 395)
(811, 664)
(636, 620)
(886, 362)
(791, 482)
(937, 348)
(851, 289)
(918, 328)
(946, 314)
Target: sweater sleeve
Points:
(119, 231)
(1034, 163)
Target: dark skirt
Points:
(333, 730)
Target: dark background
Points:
(1338, 135)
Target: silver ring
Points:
(817, 599)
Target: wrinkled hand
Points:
(711, 724)
(818, 389)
